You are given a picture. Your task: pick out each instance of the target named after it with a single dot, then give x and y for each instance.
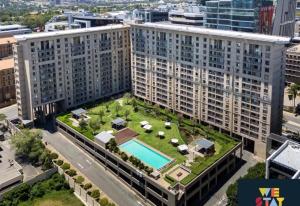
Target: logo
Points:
(269, 197)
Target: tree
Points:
(117, 108)
(28, 145)
(87, 186)
(94, 124)
(71, 172)
(127, 96)
(293, 92)
(104, 201)
(194, 121)
(134, 104)
(101, 115)
(65, 166)
(95, 194)
(255, 172)
(107, 107)
(2, 117)
(79, 180)
(82, 124)
(179, 119)
(156, 109)
(126, 114)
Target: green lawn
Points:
(157, 119)
(55, 198)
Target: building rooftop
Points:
(287, 155)
(104, 137)
(204, 143)
(294, 49)
(7, 40)
(78, 112)
(24, 37)
(216, 32)
(6, 63)
(118, 121)
(10, 27)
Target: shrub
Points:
(95, 194)
(89, 192)
(87, 186)
(104, 201)
(79, 180)
(149, 170)
(65, 166)
(37, 190)
(59, 162)
(71, 172)
(54, 155)
(124, 156)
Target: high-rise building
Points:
(231, 80)
(259, 16)
(293, 64)
(59, 70)
(7, 80)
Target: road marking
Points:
(88, 162)
(80, 165)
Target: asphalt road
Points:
(93, 170)
(10, 111)
(291, 122)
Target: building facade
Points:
(292, 71)
(231, 80)
(150, 15)
(259, 16)
(13, 29)
(7, 82)
(59, 70)
(187, 18)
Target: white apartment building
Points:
(59, 70)
(231, 80)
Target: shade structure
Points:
(143, 123)
(161, 133)
(167, 124)
(182, 147)
(174, 141)
(147, 127)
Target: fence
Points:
(78, 190)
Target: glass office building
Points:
(240, 15)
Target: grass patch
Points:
(55, 198)
(157, 117)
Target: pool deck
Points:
(155, 150)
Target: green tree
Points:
(293, 91)
(127, 96)
(2, 117)
(95, 124)
(101, 114)
(107, 105)
(82, 124)
(117, 108)
(28, 145)
(127, 113)
(95, 194)
(79, 180)
(134, 104)
(104, 201)
(255, 172)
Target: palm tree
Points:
(293, 92)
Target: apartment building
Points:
(6, 47)
(59, 70)
(230, 80)
(7, 82)
(293, 64)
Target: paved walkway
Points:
(219, 198)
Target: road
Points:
(10, 111)
(219, 198)
(93, 170)
(291, 122)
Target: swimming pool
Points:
(145, 154)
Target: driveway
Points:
(108, 183)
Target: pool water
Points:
(145, 154)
